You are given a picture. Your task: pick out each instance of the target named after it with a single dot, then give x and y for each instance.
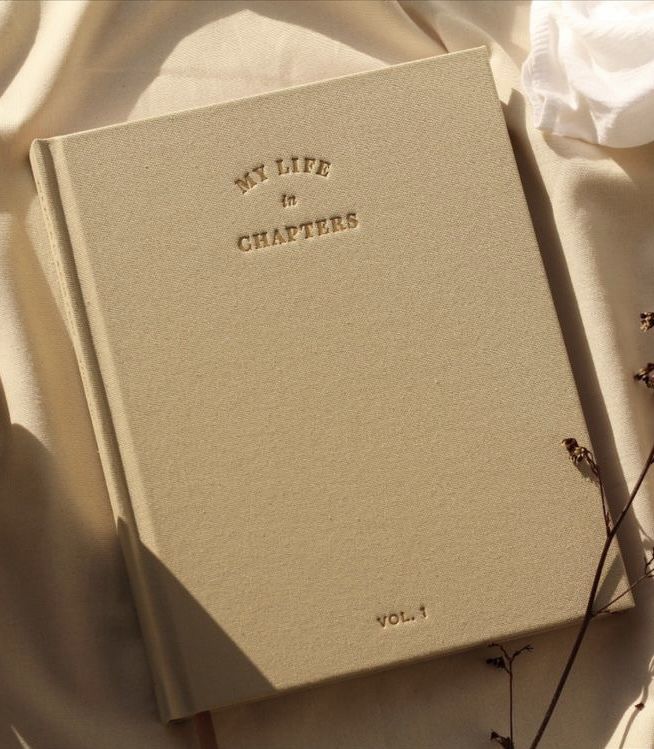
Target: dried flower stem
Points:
(648, 572)
(605, 505)
(505, 662)
(590, 613)
(584, 459)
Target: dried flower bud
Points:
(646, 321)
(583, 459)
(646, 375)
(576, 452)
(503, 741)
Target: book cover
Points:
(326, 378)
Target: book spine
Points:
(46, 161)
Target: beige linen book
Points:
(326, 377)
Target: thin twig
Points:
(506, 664)
(590, 613)
(605, 609)
(605, 505)
(648, 573)
(511, 733)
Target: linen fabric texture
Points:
(337, 471)
(73, 660)
(590, 70)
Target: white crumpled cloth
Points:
(590, 71)
(73, 673)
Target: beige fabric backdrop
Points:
(71, 658)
